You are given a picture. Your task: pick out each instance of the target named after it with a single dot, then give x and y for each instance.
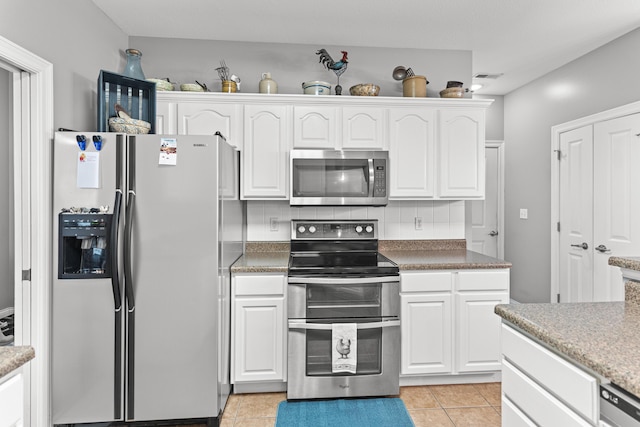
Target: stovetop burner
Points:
(337, 247)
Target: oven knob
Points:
(358, 229)
(369, 229)
(301, 229)
(312, 229)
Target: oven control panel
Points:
(334, 229)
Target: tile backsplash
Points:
(399, 220)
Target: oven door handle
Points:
(327, 326)
(342, 280)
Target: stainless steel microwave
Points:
(339, 178)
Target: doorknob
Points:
(583, 245)
(493, 233)
(603, 249)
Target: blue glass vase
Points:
(133, 68)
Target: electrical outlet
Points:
(273, 223)
(524, 213)
(418, 221)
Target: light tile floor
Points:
(458, 405)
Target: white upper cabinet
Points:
(436, 146)
(209, 118)
(461, 153)
(412, 153)
(265, 157)
(363, 128)
(315, 126)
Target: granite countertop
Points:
(601, 336)
(631, 263)
(11, 358)
(266, 257)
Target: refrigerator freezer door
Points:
(173, 361)
(85, 355)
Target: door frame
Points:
(624, 110)
(499, 144)
(33, 181)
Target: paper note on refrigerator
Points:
(88, 175)
(168, 151)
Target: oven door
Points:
(310, 360)
(342, 297)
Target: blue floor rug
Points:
(380, 412)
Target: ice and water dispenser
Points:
(83, 245)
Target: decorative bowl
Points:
(365, 89)
(316, 87)
(130, 126)
(191, 87)
(162, 84)
(452, 92)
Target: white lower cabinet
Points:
(546, 389)
(258, 328)
(12, 400)
(448, 322)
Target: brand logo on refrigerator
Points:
(200, 145)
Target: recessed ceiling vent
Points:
(487, 76)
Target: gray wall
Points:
(495, 117)
(185, 61)
(6, 195)
(78, 39)
(602, 79)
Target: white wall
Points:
(78, 39)
(440, 219)
(605, 78)
(185, 61)
(6, 194)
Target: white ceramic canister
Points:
(267, 84)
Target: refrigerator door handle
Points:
(128, 231)
(128, 280)
(115, 225)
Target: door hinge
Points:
(558, 298)
(26, 275)
(558, 153)
(558, 226)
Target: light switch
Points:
(524, 213)
(273, 222)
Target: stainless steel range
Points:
(343, 312)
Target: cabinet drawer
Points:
(425, 282)
(535, 402)
(512, 416)
(489, 280)
(567, 382)
(259, 284)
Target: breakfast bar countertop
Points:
(11, 358)
(600, 336)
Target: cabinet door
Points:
(478, 327)
(208, 118)
(259, 339)
(11, 400)
(461, 147)
(363, 128)
(412, 153)
(166, 118)
(315, 127)
(267, 140)
(426, 333)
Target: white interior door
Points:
(616, 201)
(576, 215)
(486, 214)
(598, 200)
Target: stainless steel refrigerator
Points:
(146, 229)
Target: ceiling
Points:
(519, 39)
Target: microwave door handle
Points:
(327, 326)
(371, 178)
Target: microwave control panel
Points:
(380, 178)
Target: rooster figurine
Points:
(337, 67)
